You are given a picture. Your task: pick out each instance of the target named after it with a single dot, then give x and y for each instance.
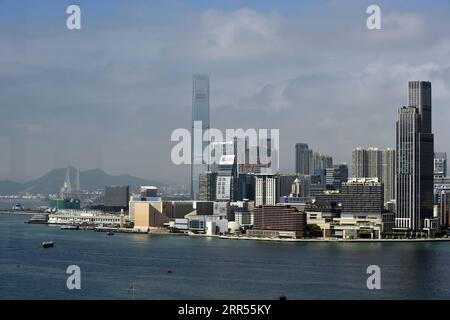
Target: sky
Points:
(109, 95)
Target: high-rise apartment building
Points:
(388, 173)
(414, 159)
(376, 163)
(200, 121)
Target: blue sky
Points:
(108, 96)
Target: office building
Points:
(208, 182)
(117, 197)
(414, 159)
(440, 165)
(244, 187)
(265, 189)
(302, 157)
(225, 178)
(362, 196)
(200, 121)
(336, 175)
(278, 221)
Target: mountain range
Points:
(90, 180)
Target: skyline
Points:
(60, 88)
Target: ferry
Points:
(39, 218)
(47, 244)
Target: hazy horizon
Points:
(108, 96)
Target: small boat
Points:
(47, 244)
(110, 233)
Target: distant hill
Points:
(90, 180)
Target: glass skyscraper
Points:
(200, 124)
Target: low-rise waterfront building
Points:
(91, 217)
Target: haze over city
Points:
(312, 70)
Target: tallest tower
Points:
(200, 124)
(414, 159)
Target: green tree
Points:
(313, 231)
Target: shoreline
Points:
(225, 237)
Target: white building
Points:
(265, 189)
(70, 216)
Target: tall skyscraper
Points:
(376, 163)
(200, 120)
(440, 164)
(414, 159)
(302, 158)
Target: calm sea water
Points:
(204, 268)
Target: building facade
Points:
(414, 159)
(279, 219)
(440, 165)
(302, 157)
(117, 196)
(266, 189)
(336, 175)
(200, 121)
(208, 182)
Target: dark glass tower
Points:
(414, 159)
(302, 158)
(200, 121)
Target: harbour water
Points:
(179, 267)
